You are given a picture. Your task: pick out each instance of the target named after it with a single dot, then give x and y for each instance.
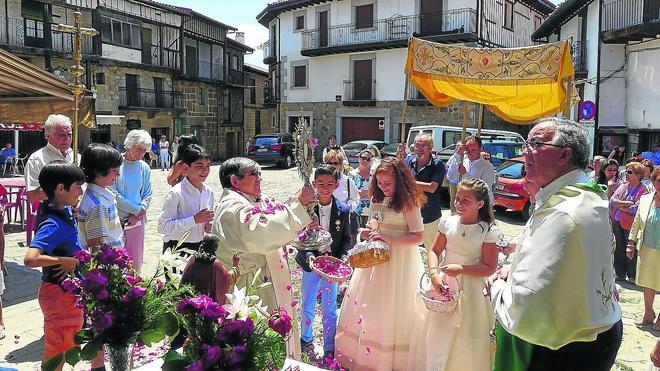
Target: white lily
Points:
(239, 304)
(260, 309)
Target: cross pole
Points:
(77, 70)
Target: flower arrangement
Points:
(121, 307)
(240, 335)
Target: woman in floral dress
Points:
(379, 307)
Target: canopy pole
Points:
(405, 108)
(480, 123)
(465, 120)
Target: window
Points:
(100, 78)
(34, 29)
(200, 96)
(234, 63)
(300, 23)
(299, 76)
(364, 16)
(537, 22)
(508, 14)
(253, 91)
(121, 33)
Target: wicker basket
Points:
(325, 275)
(367, 254)
(426, 290)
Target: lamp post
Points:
(77, 70)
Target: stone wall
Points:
(201, 103)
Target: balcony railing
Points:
(414, 96)
(236, 77)
(14, 32)
(269, 53)
(360, 92)
(147, 98)
(270, 95)
(579, 53)
(391, 29)
(621, 14)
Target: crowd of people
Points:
(553, 305)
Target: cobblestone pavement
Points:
(22, 348)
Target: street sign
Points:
(587, 110)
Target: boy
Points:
(333, 217)
(188, 205)
(53, 248)
(98, 217)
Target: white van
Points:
(445, 137)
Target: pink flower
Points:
(133, 280)
(83, 256)
(71, 284)
(134, 293)
(280, 321)
(314, 142)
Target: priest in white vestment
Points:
(258, 227)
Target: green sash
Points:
(511, 352)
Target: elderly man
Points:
(556, 304)
(474, 165)
(429, 171)
(58, 132)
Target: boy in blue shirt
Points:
(53, 248)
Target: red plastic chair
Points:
(17, 204)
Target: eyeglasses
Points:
(533, 144)
(365, 158)
(333, 163)
(629, 172)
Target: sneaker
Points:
(328, 361)
(308, 349)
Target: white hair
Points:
(137, 138)
(569, 134)
(426, 137)
(55, 120)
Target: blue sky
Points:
(240, 14)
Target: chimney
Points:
(240, 37)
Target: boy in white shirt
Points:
(188, 206)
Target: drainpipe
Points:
(278, 74)
(596, 121)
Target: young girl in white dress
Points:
(379, 307)
(460, 340)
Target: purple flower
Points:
(239, 355)
(315, 142)
(212, 354)
(213, 311)
(107, 255)
(101, 294)
(193, 305)
(280, 321)
(235, 331)
(83, 256)
(71, 284)
(102, 321)
(195, 366)
(134, 293)
(132, 280)
(94, 281)
(122, 258)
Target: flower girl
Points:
(460, 340)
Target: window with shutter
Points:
(299, 76)
(508, 14)
(300, 22)
(364, 16)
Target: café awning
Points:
(28, 94)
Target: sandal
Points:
(645, 321)
(3, 333)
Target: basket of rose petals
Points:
(443, 301)
(331, 268)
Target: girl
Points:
(460, 341)
(379, 306)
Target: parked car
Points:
(353, 149)
(501, 150)
(389, 150)
(509, 192)
(276, 148)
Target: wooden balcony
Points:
(16, 32)
(147, 99)
(630, 20)
(269, 53)
(458, 25)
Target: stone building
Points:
(260, 109)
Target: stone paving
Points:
(22, 348)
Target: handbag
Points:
(626, 220)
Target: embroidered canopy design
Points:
(519, 85)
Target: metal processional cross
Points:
(77, 70)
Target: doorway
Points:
(323, 29)
(362, 71)
(431, 17)
(146, 46)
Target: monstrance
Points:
(313, 239)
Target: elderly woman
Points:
(623, 206)
(133, 191)
(597, 163)
(362, 176)
(645, 239)
(247, 221)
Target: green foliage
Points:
(270, 346)
(90, 349)
(173, 361)
(52, 363)
(72, 356)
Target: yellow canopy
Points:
(28, 94)
(519, 85)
